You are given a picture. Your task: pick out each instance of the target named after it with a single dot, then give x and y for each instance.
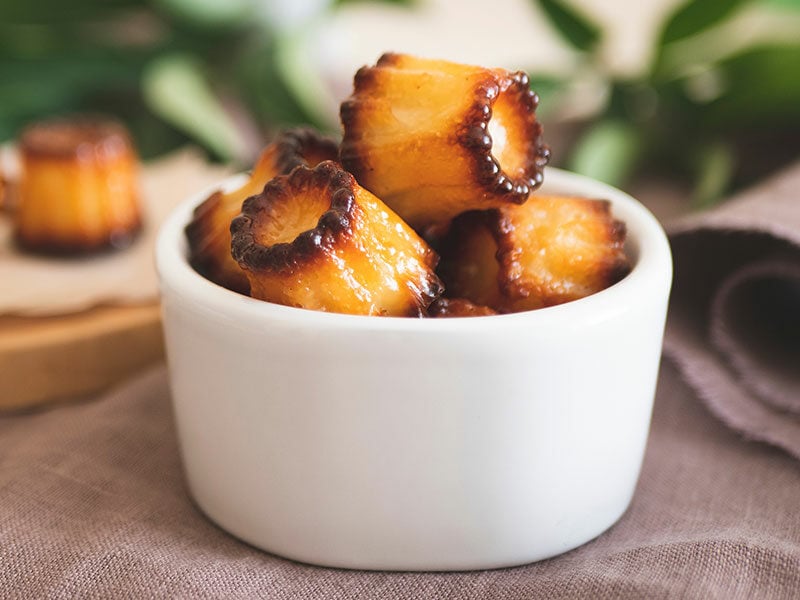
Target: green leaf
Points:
(60, 11)
(396, 2)
(152, 135)
(574, 27)
(60, 82)
(175, 88)
(715, 166)
(303, 80)
(548, 88)
(695, 16)
(263, 87)
(795, 4)
(608, 151)
(761, 86)
(209, 13)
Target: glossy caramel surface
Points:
(547, 251)
(418, 134)
(315, 239)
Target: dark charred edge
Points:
(617, 230)
(539, 155)
(619, 266)
(108, 138)
(348, 114)
(475, 138)
(333, 225)
(353, 154)
(617, 270)
(458, 307)
(203, 258)
(365, 79)
(510, 284)
(296, 146)
(365, 76)
(115, 241)
(200, 227)
(430, 290)
(389, 59)
(198, 232)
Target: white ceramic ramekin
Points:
(416, 444)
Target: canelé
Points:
(78, 188)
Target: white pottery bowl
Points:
(416, 444)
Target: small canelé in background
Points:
(78, 187)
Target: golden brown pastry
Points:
(209, 234)
(78, 189)
(316, 239)
(547, 251)
(434, 139)
(458, 307)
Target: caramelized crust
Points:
(458, 307)
(435, 139)
(548, 251)
(78, 189)
(555, 249)
(315, 239)
(4, 196)
(209, 231)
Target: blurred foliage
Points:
(718, 105)
(206, 71)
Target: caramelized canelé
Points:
(78, 189)
(433, 138)
(315, 239)
(547, 251)
(209, 234)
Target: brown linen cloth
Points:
(734, 322)
(93, 505)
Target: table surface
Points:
(93, 504)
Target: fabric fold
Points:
(755, 323)
(734, 323)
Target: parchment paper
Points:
(40, 286)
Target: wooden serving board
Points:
(51, 359)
